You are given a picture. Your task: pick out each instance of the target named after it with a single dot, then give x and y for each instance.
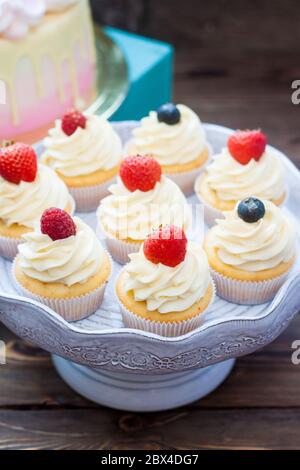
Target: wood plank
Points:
(264, 379)
(182, 429)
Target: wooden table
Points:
(259, 405)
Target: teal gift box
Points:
(150, 70)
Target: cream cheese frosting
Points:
(232, 181)
(180, 143)
(255, 246)
(24, 203)
(134, 214)
(97, 147)
(168, 289)
(68, 261)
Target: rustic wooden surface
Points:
(234, 65)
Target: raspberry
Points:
(245, 145)
(71, 121)
(140, 172)
(57, 223)
(18, 162)
(166, 245)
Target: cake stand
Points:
(139, 371)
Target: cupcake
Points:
(63, 265)
(85, 152)
(245, 167)
(174, 136)
(141, 199)
(251, 251)
(26, 190)
(166, 287)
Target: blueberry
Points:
(251, 210)
(168, 113)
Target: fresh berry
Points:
(140, 172)
(169, 114)
(247, 145)
(57, 223)
(71, 121)
(18, 162)
(166, 245)
(251, 210)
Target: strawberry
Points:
(140, 172)
(71, 121)
(246, 145)
(18, 162)
(57, 224)
(166, 245)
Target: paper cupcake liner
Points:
(9, 247)
(247, 292)
(71, 309)
(88, 198)
(119, 249)
(185, 180)
(169, 329)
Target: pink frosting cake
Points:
(47, 56)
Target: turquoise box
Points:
(150, 69)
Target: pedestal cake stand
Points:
(138, 371)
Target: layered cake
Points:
(47, 57)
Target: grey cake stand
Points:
(138, 371)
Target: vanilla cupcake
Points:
(26, 190)
(251, 251)
(85, 152)
(245, 167)
(174, 136)
(63, 265)
(141, 199)
(166, 287)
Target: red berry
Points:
(245, 145)
(58, 224)
(18, 162)
(140, 172)
(71, 121)
(166, 245)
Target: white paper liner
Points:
(9, 247)
(169, 329)
(71, 309)
(88, 198)
(185, 180)
(119, 249)
(247, 292)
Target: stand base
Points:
(134, 392)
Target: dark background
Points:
(235, 59)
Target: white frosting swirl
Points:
(232, 181)
(24, 203)
(133, 214)
(97, 147)
(170, 144)
(69, 261)
(168, 289)
(18, 16)
(255, 246)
